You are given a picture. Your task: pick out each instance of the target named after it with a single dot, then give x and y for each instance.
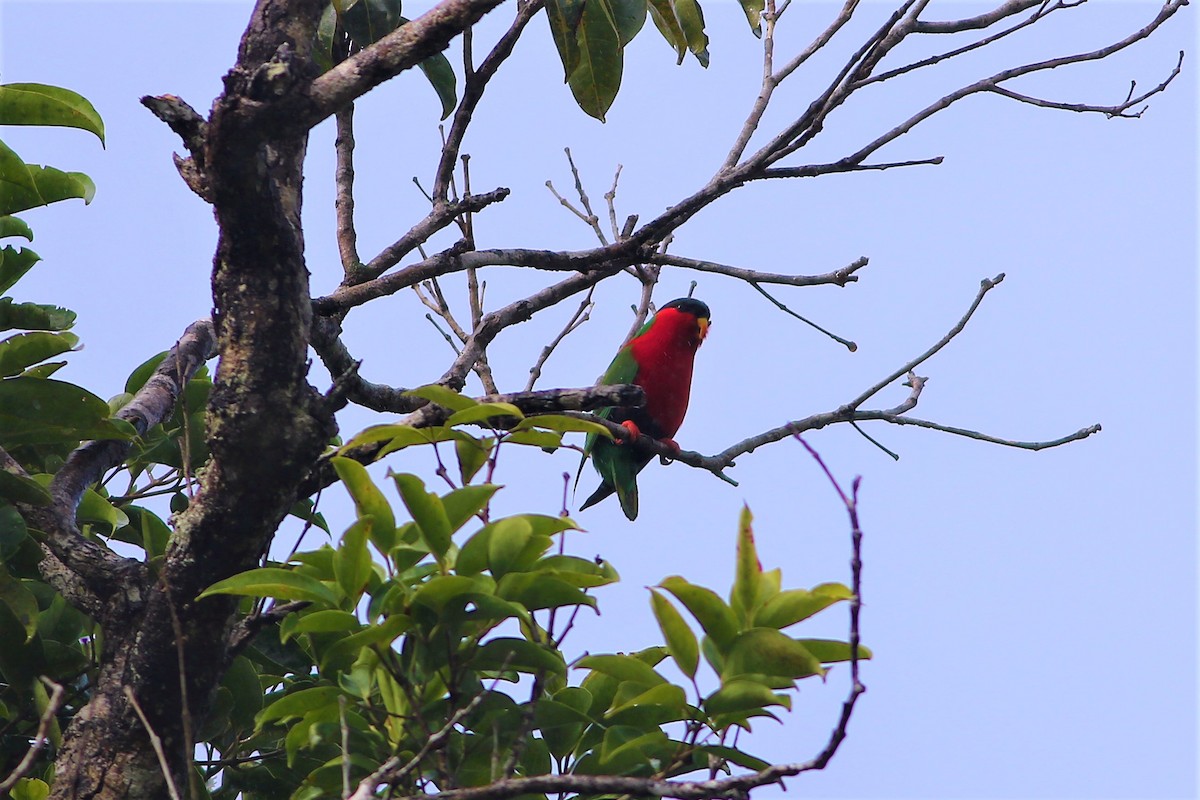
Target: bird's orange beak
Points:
(703, 323)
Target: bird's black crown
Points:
(690, 305)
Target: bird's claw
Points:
(634, 431)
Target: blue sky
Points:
(1033, 615)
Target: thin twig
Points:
(155, 743)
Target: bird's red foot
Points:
(672, 444)
(634, 431)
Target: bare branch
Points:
(581, 315)
(347, 238)
(839, 277)
(473, 88)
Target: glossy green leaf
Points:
(564, 17)
(597, 78)
(342, 653)
(15, 262)
(766, 651)
(330, 620)
(517, 654)
(629, 16)
(44, 370)
(663, 14)
(681, 641)
(623, 668)
(34, 316)
(441, 76)
(22, 489)
(24, 186)
(788, 608)
(440, 590)
(739, 696)
(31, 789)
(707, 607)
(305, 509)
(691, 20)
(547, 440)
(399, 437)
(472, 454)
(427, 511)
(754, 10)
(276, 582)
(38, 104)
(368, 21)
(14, 226)
(26, 349)
(20, 602)
(483, 412)
(462, 504)
(507, 544)
(829, 651)
(297, 704)
(95, 509)
(562, 424)
(241, 679)
(368, 500)
(352, 560)
(44, 411)
(536, 591)
(325, 37)
(580, 572)
(443, 396)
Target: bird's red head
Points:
(688, 319)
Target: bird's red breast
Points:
(664, 355)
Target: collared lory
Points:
(659, 359)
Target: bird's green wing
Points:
(623, 369)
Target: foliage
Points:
(434, 625)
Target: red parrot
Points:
(659, 359)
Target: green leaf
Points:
(597, 78)
(766, 651)
(400, 436)
(38, 104)
(443, 396)
(44, 411)
(368, 500)
(483, 412)
(15, 262)
(828, 651)
(22, 489)
(547, 440)
(681, 641)
(24, 186)
(630, 16)
(368, 21)
(330, 620)
(518, 654)
(754, 9)
(623, 668)
(326, 30)
(344, 652)
(536, 590)
(562, 424)
(739, 696)
(31, 789)
(462, 504)
(735, 756)
(580, 572)
(439, 590)
(441, 76)
(564, 17)
(472, 455)
(33, 316)
(20, 601)
(281, 584)
(26, 349)
(748, 572)
(707, 607)
(241, 679)
(297, 704)
(352, 560)
(427, 511)
(691, 20)
(507, 544)
(663, 14)
(788, 608)
(95, 509)
(13, 226)
(305, 509)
